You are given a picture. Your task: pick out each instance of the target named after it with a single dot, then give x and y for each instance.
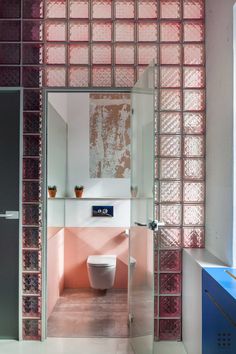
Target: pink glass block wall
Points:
(81, 43)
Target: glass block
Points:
(156, 329)
(170, 329)
(79, 9)
(147, 9)
(55, 76)
(32, 54)
(9, 53)
(101, 76)
(78, 76)
(10, 31)
(170, 123)
(170, 192)
(170, 32)
(155, 283)
(194, 192)
(194, 146)
(31, 260)
(170, 306)
(124, 31)
(124, 8)
(55, 31)
(170, 260)
(32, 123)
(31, 168)
(124, 76)
(194, 123)
(170, 146)
(194, 169)
(193, 32)
(170, 169)
(31, 237)
(147, 31)
(31, 306)
(101, 31)
(101, 8)
(32, 76)
(79, 54)
(170, 283)
(194, 54)
(155, 306)
(9, 76)
(193, 215)
(79, 31)
(31, 145)
(156, 261)
(31, 191)
(146, 53)
(170, 54)
(33, 31)
(30, 214)
(33, 9)
(124, 54)
(170, 100)
(56, 9)
(31, 329)
(194, 9)
(170, 9)
(194, 100)
(193, 237)
(194, 77)
(32, 100)
(10, 9)
(170, 77)
(101, 54)
(171, 214)
(55, 54)
(170, 238)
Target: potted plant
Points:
(52, 191)
(79, 191)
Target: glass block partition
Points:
(79, 43)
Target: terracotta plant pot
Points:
(79, 193)
(52, 193)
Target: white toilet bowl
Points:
(101, 271)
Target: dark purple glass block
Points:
(32, 31)
(10, 31)
(170, 329)
(10, 8)
(31, 214)
(9, 76)
(33, 9)
(31, 168)
(32, 76)
(31, 306)
(31, 283)
(31, 191)
(32, 54)
(32, 122)
(31, 260)
(31, 329)
(32, 100)
(9, 53)
(31, 237)
(32, 145)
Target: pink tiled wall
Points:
(67, 43)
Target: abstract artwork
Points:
(110, 135)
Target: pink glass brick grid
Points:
(147, 9)
(170, 306)
(79, 31)
(170, 260)
(78, 9)
(124, 9)
(193, 237)
(146, 53)
(31, 306)
(56, 8)
(170, 329)
(147, 31)
(78, 76)
(170, 9)
(79, 54)
(33, 9)
(101, 9)
(101, 76)
(101, 54)
(170, 54)
(194, 123)
(170, 123)
(170, 191)
(170, 238)
(170, 283)
(31, 329)
(193, 9)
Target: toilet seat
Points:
(102, 261)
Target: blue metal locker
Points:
(219, 311)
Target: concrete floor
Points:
(88, 313)
(83, 346)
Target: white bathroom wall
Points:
(78, 154)
(57, 151)
(219, 129)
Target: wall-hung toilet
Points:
(101, 271)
